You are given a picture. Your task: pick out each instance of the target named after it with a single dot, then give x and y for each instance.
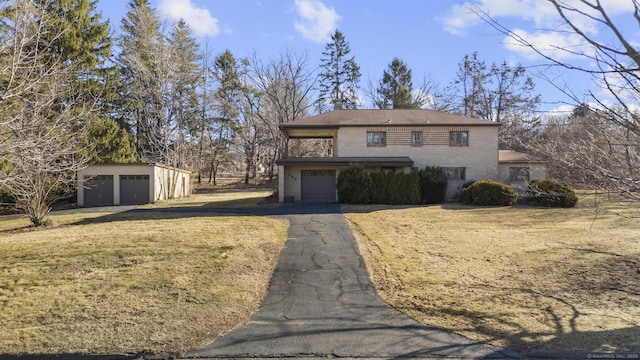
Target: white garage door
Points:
(318, 185)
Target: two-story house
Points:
(394, 140)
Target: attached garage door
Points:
(134, 189)
(98, 191)
(318, 185)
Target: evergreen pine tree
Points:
(140, 63)
(340, 74)
(185, 79)
(395, 88)
(82, 42)
(225, 124)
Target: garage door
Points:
(98, 191)
(318, 185)
(134, 189)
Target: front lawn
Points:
(519, 277)
(162, 282)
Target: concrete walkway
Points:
(321, 303)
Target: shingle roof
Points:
(510, 156)
(394, 117)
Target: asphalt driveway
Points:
(321, 303)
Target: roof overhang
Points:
(513, 157)
(392, 161)
(309, 132)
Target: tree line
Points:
(68, 100)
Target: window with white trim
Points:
(416, 138)
(376, 138)
(458, 138)
(455, 173)
(519, 173)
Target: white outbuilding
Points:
(131, 184)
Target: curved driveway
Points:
(321, 303)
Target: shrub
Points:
(356, 186)
(394, 189)
(408, 188)
(551, 194)
(465, 195)
(490, 193)
(379, 190)
(433, 185)
(353, 185)
(6, 197)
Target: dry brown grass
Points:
(156, 281)
(220, 199)
(518, 277)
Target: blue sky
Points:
(431, 36)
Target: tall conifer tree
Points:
(183, 97)
(395, 88)
(340, 74)
(140, 62)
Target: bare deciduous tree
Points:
(588, 150)
(42, 123)
(500, 93)
(617, 71)
(284, 86)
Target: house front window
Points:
(416, 138)
(376, 138)
(458, 138)
(455, 173)
(519, 174)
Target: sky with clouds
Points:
(430, 36)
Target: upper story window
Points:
(456, 173)
(376, 138)
(458, 138)
(519, 174)
(416, 138)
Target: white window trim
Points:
(457, 139)
(382, 139)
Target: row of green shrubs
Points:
(355, 185)
(547, 193)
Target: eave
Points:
(390, 161)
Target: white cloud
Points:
(538, 23)
(198, 19)
(542, 14)
(427, 101)
(560, 46)
(464, 16)
(316, 22)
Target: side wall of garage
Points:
(170, 183)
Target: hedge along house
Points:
(389, 140)
(130, 184)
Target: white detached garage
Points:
(130, 184)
